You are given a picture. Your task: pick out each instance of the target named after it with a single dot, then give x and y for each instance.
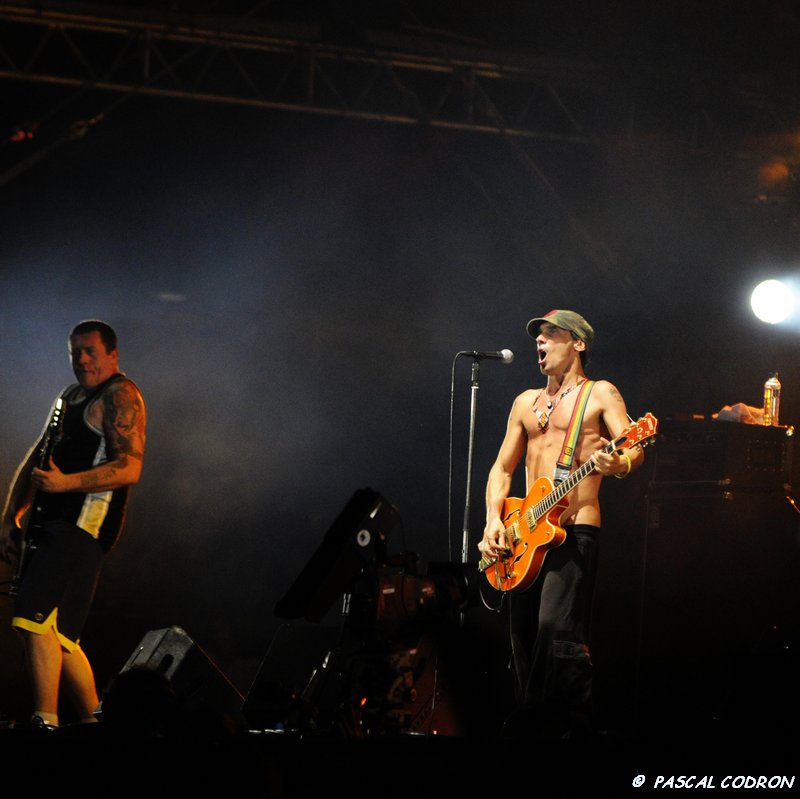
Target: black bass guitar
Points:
(28, 543)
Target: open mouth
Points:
(542, 355)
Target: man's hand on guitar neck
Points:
(618, 463)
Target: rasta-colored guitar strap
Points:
(573, 431)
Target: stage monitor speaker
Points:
(198, 682)
(356, 539)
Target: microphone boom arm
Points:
(506, 356)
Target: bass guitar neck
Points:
(29, 539)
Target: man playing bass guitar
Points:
(77, 501)
(549, 619)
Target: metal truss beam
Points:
(258, 62)
(257, 65)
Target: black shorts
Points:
(59, 583)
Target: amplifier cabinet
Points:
(723, 453)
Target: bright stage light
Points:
(772, 301)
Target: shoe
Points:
(35, 724)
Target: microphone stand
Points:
(473, 405)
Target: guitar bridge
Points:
(484, 563)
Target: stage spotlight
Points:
(772, 301)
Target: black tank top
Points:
(101, 514)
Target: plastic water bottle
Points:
(772, 400)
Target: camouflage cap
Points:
(568, 320)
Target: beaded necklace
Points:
(544, 417)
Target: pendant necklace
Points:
(544, 417)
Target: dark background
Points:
(291, 290)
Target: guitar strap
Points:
(573, 431)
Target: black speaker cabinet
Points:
(704, 452)
(719, 589)
(199, 683)
(720, 569)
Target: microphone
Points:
(506, 356)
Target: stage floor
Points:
(281, 765)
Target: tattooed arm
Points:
(615, 419)
(123, 420)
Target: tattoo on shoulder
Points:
(124, 419)
(615, 394)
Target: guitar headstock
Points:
(641, 432)
(57, 422)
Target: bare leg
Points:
(43, 656)
(79, 684)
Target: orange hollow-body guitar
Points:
(533, 525)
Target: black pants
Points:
(549, 626)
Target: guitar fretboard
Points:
(537, 511)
